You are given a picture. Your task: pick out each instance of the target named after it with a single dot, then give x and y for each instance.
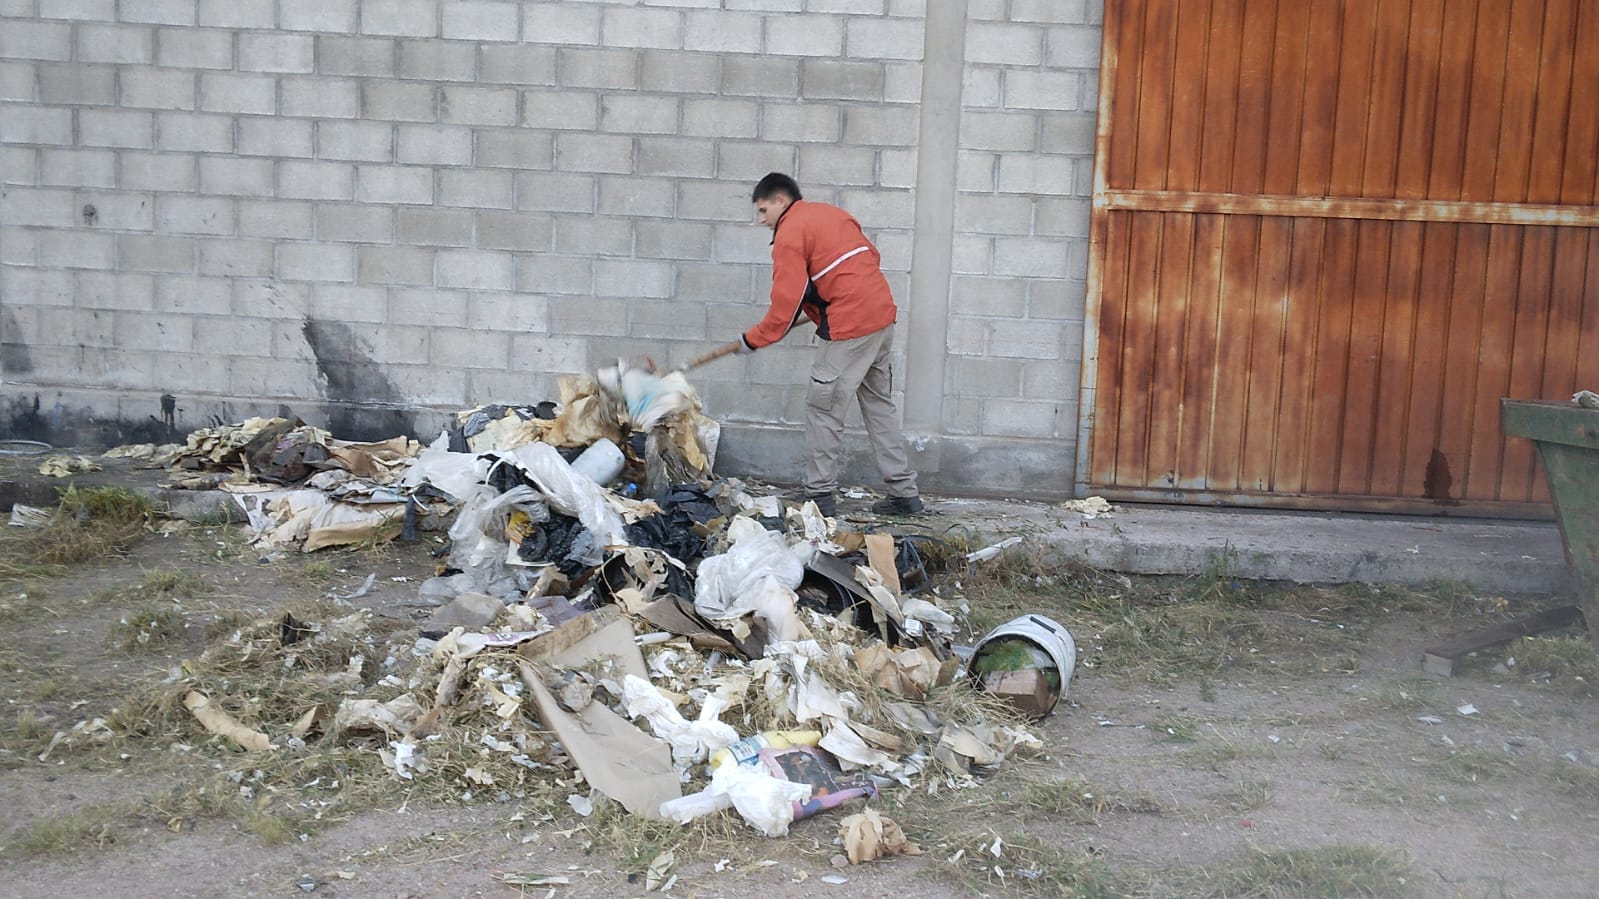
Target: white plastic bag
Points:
(691, 741)
(756, 553)
(569, 492)
(458, 474)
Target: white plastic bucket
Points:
(600, 463)
(1045, 633)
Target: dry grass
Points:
(1333, 872)
(1568, 663)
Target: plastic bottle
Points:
(600, 463)
(747, 749)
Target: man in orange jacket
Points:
(824, 268)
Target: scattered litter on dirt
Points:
(66, 466)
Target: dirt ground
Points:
(1221, 738)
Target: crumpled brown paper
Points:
(868, 835)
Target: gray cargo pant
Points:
(860, 368)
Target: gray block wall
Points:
(372, 212)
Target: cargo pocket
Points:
(823, 389)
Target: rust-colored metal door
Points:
(1328, 236)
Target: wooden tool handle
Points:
(713, 355)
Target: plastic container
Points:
(1043, 636)
(746, 750)
(600, 463)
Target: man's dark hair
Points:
(775, 183)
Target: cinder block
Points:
(435, 227)
(157, 88)
(880, 208)
(322, 98)
(607, 68)
(36, 125)
(475, 270)
(122, 44)
(548, 274)
(678, 156)
(720, 118)
(758, 76)
(158, 12)
(1062, 216)
(434, 145)
(233, 93)
(560, 110)
(667, 320)
(261, 136)
(1020, 418)
(361, 141)
(370, 56)
(395, 265)
(513, 231)
(549, 23)
(722, 32)
(890, 126)
(746, 243)
(276, 218)
(427, 308)
(1074, 47)
(28, 206)
(144, 332)
(517, 313)
(273, 52)
(399, 101)
(596, 235)
(401, 18)
(287, 378)
(814, 36)
(990, 10)
(72, 249)
(189, 48)
(35, 287)
(478, 105)
(273, 299)
(78, 168)
(828, 79)
(429, 384)
(857, 7)
(354, 223)
(551, 192)
(475, 189)
(502, 64)
(107, 290)
(630, 196)
(660, 29)
(800, 122)
(517, 149)
(976, 171)
(437, 60)
(38, 40)
(1040, 90)
(238, 13)
(672, 240)
(17, 81)
(350, 303)
(316, 262)
(547, 355)
(643, 114)
(233, 258)
(983, 130)
(192, 296)
(589, 316)
(632, 278)
(882, 38)
(687, 73)
(895, 247)
(749, 161)
(967, 336)
(119, 211)
(323, 16)
(69, 84)
(767, 5)
(1063, 11)
(78, 10)
(716, 282)
(972, 255)
(194, 215)
(836, 165)
(461, 348)
(480, 20)
(902, 83)
(1069, 133)
(149, 253)
(394, 184)
(1059, 300)
(304, 180)
(1027, 174)
(976, 376)
(994, 214)
(577, 151)
(242, 336)
(717, 201)
(1025, 338)
(988, 296)
(1004, 44)
(1030, 257)
(19, 247)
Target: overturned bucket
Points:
(1027, 661)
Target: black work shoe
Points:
(898, 505)
(826, 503)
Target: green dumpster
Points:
(1567, 437)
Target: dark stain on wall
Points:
(14, 358)
(363, 404)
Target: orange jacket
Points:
(824, 267)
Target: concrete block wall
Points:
(370, 212)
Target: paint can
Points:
(1028, 661)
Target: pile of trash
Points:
(613, 617)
